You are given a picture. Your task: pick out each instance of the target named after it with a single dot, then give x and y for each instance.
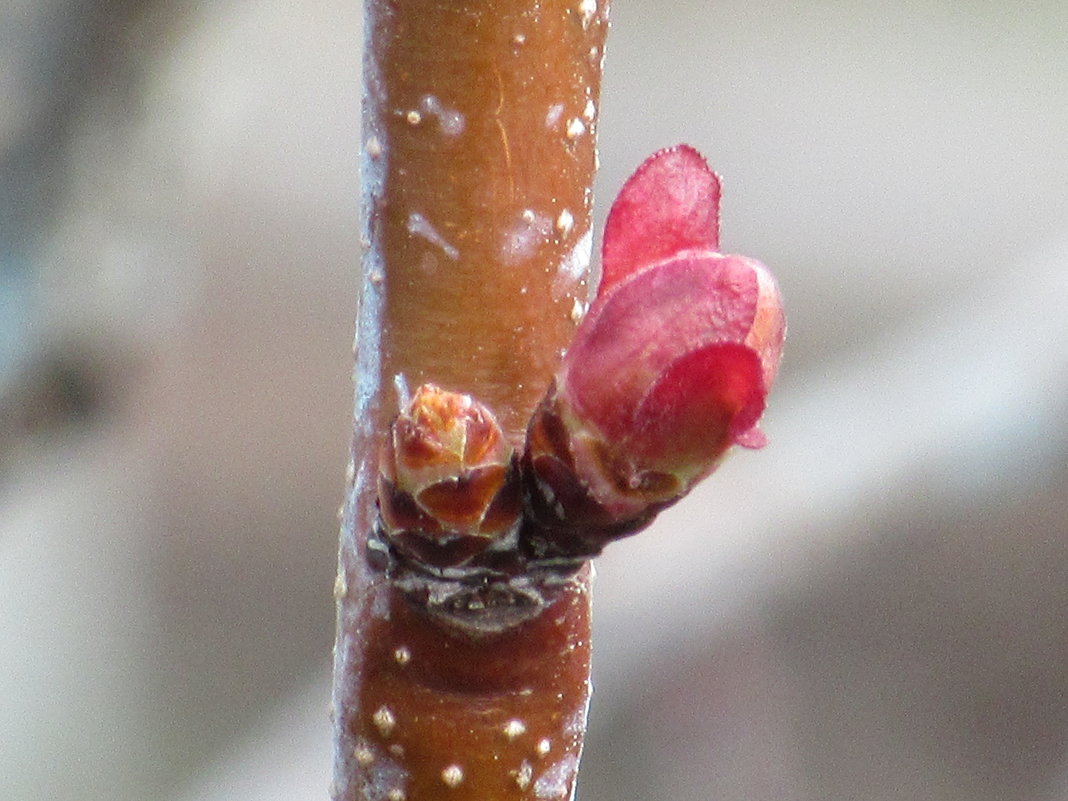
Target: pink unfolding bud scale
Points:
(670, 204)
(670, 368)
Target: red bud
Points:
(643, 341)
(671, 366)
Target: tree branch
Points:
(479, 123)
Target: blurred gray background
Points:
(874, 607)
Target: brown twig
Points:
(479, 123)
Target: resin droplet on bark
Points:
(670, 368)
(448, 487)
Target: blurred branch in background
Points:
(64, 358)
(874, 608)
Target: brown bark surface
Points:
(479, 122)
(484, 111)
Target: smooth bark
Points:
(479, 136)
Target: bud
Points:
(447, 486)
(670, 368)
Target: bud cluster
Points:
(670, 368)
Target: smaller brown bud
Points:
(447, 486)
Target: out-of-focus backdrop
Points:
(874, 607)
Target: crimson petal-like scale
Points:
(670, 204)
(698, 407)
(647, 323)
